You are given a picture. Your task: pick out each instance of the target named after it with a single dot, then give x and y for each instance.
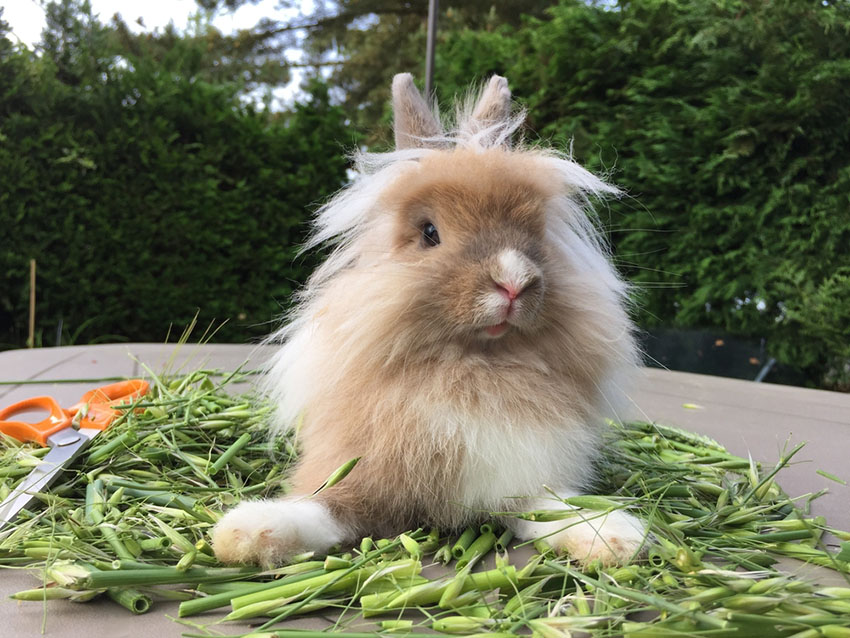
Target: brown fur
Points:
(413, 119)
(480, 201)
(467, 374)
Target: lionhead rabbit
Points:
(466, 338)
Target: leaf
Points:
(338, 474)
(831, 477)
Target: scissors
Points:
(66, 432)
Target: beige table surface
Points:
(746, 417)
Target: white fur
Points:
(269, 532)
(502, 456)
(350, 221)
(505, 460)
(613, 538)
(493, 306)
(516, 270)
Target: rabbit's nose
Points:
(509, 291)
(515, 274)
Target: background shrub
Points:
(728, 125)
(146, 194)
(146, 187)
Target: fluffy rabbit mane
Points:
(355, 367)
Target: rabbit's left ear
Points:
(489, 120)
(494, 105)
(413, 121)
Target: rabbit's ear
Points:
(494, 105)
(413, 121)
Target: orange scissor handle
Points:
(103, 401)
(58, 419)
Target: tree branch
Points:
(342, 18)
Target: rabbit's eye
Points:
(430, 236)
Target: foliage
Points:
(727, 124)
(246, 58)
(145, 194)
(724, 121)
(362, 43)
(720, 533)
(394, 31)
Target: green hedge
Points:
(728, 124)
(147, 195)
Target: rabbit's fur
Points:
(473, 375)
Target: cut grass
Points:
(132, 519)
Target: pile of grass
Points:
(131, 521)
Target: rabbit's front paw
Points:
(268, 533)
(613, 539)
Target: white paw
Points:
(614, 538)
(270, 532)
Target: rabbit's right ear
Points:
(413, 121)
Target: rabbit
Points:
(466, 338)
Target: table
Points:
(748, 418)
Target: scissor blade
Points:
(65, 449)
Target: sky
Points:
(26, 17)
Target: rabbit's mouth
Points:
(498, 330)
(510, 308)
(505, 312)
